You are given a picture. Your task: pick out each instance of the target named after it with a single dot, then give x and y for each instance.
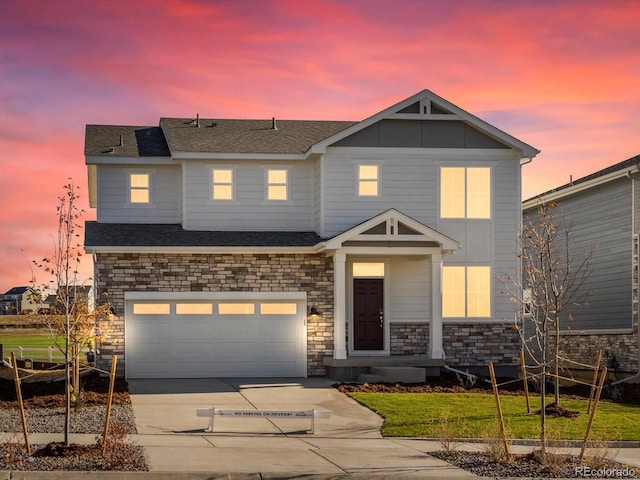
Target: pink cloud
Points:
(561, 76)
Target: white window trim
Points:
(234, 182)
(362, 163)
(386, 301)
(269, 201)
(466, 166)
(466, 293)
(139, 171)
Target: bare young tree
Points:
(70, 317)
(549, 285)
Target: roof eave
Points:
(527, 151)
(572, 189)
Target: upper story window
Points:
(368, 180)
(465, 192)
(139, 188)
(466, 291)
(277, 184)
(222, 184)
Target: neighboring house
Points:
(602, 212)
(83, 293)
(293, 248)
(20, 300)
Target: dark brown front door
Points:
(368, 311)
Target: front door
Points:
(368, 314)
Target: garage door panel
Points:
(214, 345)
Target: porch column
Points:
(339, 306)
(436, 351)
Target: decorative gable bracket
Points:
(393, 229)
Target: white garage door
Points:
(199, 338)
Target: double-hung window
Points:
(222, 184)
(368, 180)
(277, 184)
(139, 188)
(465, 192)
(466, 291)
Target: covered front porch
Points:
(387, 295)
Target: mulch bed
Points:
(95, 390)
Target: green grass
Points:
(471, 415)
(28, 338)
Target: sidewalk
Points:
(347, 445)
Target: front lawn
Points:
(471, 415)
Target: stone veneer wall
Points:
(127, 272)
(409, 338)
(477, 344)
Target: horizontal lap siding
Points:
(249, 210)
(113, 194)
(492, 242)
(599, 220)
(407, 183)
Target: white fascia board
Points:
(321, 147)
(436, 153)
(204, 250)
(388, 251)
(116, 160)
(527, 150)
(573, 189)
(237, 156)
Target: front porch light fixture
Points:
(313, 312)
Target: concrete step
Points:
(400, 374)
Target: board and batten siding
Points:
(600, 222)
(249, 210)
(113, 204)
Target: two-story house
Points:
(602, 213)
(19, 300)
(289, 248)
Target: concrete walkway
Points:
(347, 445)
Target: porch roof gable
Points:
(392, 226)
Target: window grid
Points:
(466, 291)
(465, 192)
(277, 183)
(139, 188)
(222, 184)
(368, 180)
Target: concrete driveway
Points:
(175, 440)
(169, 406)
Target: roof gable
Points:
(395, 226)
(427, 110)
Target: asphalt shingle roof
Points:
(247, 136)
(171, 235)
(136, 141)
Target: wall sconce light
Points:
(313, 312)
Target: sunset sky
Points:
(563, 76)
